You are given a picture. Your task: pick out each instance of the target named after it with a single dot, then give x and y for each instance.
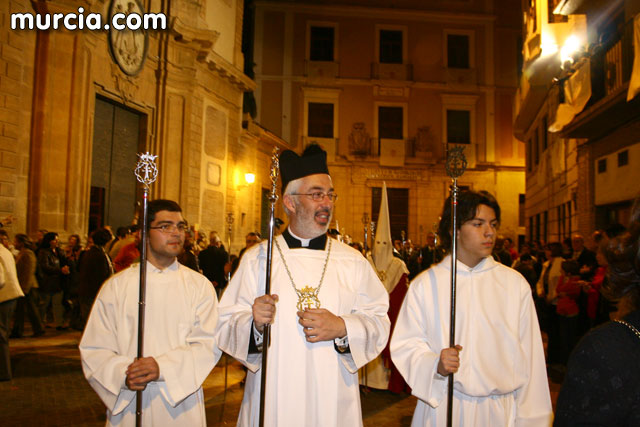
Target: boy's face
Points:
(477, 236)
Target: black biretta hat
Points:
(292, 166)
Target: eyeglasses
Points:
(318, 196)
(170, 228)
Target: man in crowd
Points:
(431, 254)
(251, 239)
(212, 261)
(179, 345)
(331, 316)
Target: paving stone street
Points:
(49, 389)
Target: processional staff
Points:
(456, 165)
(266, 335)
(365, 222)
(146, 173)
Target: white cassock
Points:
(308, 384)
(502, 379)
(180, 320)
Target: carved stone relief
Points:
(359, 140)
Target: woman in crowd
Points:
(602, 386)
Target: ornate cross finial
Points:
(456, 162)
(275, 167)
(146, 170)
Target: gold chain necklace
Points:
(630, 326)
(307, 296)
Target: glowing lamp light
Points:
(548, 45)
(571, 46)
(249, 178)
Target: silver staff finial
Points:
(146, 170)
(456, 162)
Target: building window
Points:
(521, 217)
(551, 17)
(390, 47)
(321, 43)
(544, 133)
(398, 199)
(457, 51)
(320, 120)
(623, 158)
(528, 156)
(390, 122)
(602, 165)
(459, 126)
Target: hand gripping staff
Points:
(456, 165)
(146, 173)
(266, 335)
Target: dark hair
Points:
(101, 236)
(4, 233)
(468, 202)
(24, 240)
(78, 241)
(555, 248)
(158, 205)
(525, 257)
(571, 267)
(121, 232)
(47, 239)
(623, 256)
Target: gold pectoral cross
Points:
(307, 298)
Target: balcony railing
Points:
(611, 64)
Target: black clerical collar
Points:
(317, 243)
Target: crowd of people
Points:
(340, 318)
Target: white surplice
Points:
(308, 384)
(502, 379)
(180, 320)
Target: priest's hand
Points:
(264, 310)
(449, 360)
(320, 324)
(141, 372)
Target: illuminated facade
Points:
(576, 116)
(384, 87)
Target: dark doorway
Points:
(117, 138)
(398, 209)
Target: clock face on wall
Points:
(128, 47)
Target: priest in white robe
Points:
(179, 344)
(327, 310)
(498, 361)
(392, 271)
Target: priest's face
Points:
(165, 245)
(310, 218)
(477, 236)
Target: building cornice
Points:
(203, 41)
(376, 12)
